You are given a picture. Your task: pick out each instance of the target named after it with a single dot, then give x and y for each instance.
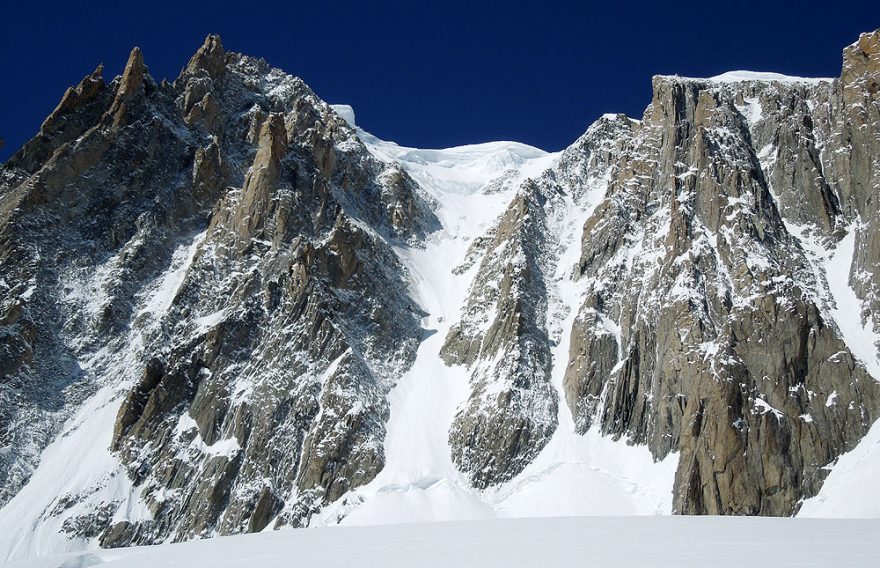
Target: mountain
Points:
(224, 308)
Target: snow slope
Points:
(587, 541)
(574, 475)
(462, 170)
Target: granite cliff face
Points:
(210, 283)
(708, 259)
(213, 251)
(709, 321)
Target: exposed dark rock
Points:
(726, 353)
(270, 357)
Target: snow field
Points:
(722, 542)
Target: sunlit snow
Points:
(722, 542)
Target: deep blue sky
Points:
(431, 74)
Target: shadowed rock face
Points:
(218, 250)
(512, 410)
(216, 257)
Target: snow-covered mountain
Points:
(225, 308)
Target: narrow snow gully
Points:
(419, 481)
(860, 336)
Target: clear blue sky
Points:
(431, 74)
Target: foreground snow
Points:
(594, 541)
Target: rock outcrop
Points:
(238, 292)
(512, 410)
(706, 258)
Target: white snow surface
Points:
(761, 76)
(725, 542)
(346, 112)
(462, 169)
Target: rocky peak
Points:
(210, 58)
(202, 81)
(132, 82)
(861, 67)
(74, 98)
(274, 220)
(72, 117)
(130, 88)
